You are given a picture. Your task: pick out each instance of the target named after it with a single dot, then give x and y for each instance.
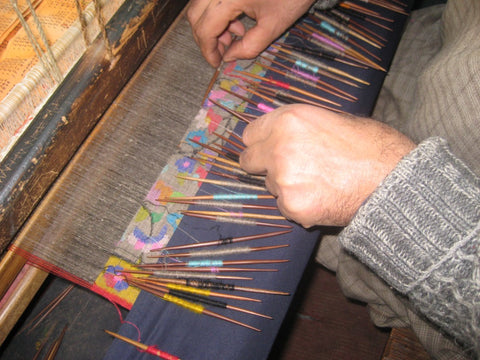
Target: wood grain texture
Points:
(61, 126)
(96, 194)
(404, 345)
(86, 212)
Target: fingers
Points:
(253, 43)
(212, 22)
(258, 130)
(258, 136)
(253, 159)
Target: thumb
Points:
(249, 46)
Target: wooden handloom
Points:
(81, 154)
(64, 129)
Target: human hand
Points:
(321, 165)
(214, 21)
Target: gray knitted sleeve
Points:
(324, 4)
(420, 232)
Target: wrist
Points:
(422, 211)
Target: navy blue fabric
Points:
(192, 336)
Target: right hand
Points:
(214, 21)
(321, 165)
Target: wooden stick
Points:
(52, 352)
(235, 214)
(224, 241)
(222, 160)
(288, 86)
(201, 253)
(220, 286)
(317, 63)
(235, 196)
(240, 146)
(218, 263)
(223, 183)
(193, 290)
(240, 221)
(155, 289)
(183, 275)
(242, 117)
(152, 350)
(224, 204)
(203, 269)
(199, 309)
(331, 89)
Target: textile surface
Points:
(432, 90)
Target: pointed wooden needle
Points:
(222, 160)
(317, 83)
(207, 284)
(203, 269)
(212, 148)
(290, 87)
(195, 298)
(204, 161)
(199, 309)
(208, 253)
(246, 179)
(224, 241)
(223, 204)
(317, 63)
(235, 214)
(235, 196)
(52, 352)
(244, 117)
(235, 136)
(233, 184)
(242, 221)
(218, 263)
(182, 275)
(186, 288)
(152, 350)
(47, 310)
(239, 146)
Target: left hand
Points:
(215, 23)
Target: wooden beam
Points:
(55, 134)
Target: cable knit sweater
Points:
(419, 231)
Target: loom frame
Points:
(58, 131)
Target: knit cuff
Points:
(418, 221)
(323, 5)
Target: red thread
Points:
(281, 84)
(156, 351)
